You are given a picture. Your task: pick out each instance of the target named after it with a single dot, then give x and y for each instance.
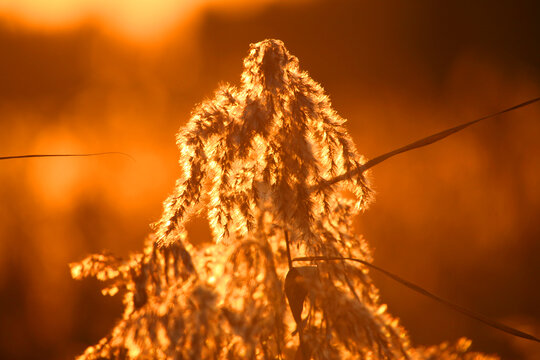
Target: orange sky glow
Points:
(139, 20)
(459, 217)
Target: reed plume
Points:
(257, 160)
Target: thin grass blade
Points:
(470, 313)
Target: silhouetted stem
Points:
(418, 144)
(288, 249)
(64, 155)
(410, 285)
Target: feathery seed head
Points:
(255, 159)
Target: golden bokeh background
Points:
(461, 217)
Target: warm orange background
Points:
(461, 217)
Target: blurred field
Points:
(459, 217)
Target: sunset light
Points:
(240, 182)
(139, 20)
